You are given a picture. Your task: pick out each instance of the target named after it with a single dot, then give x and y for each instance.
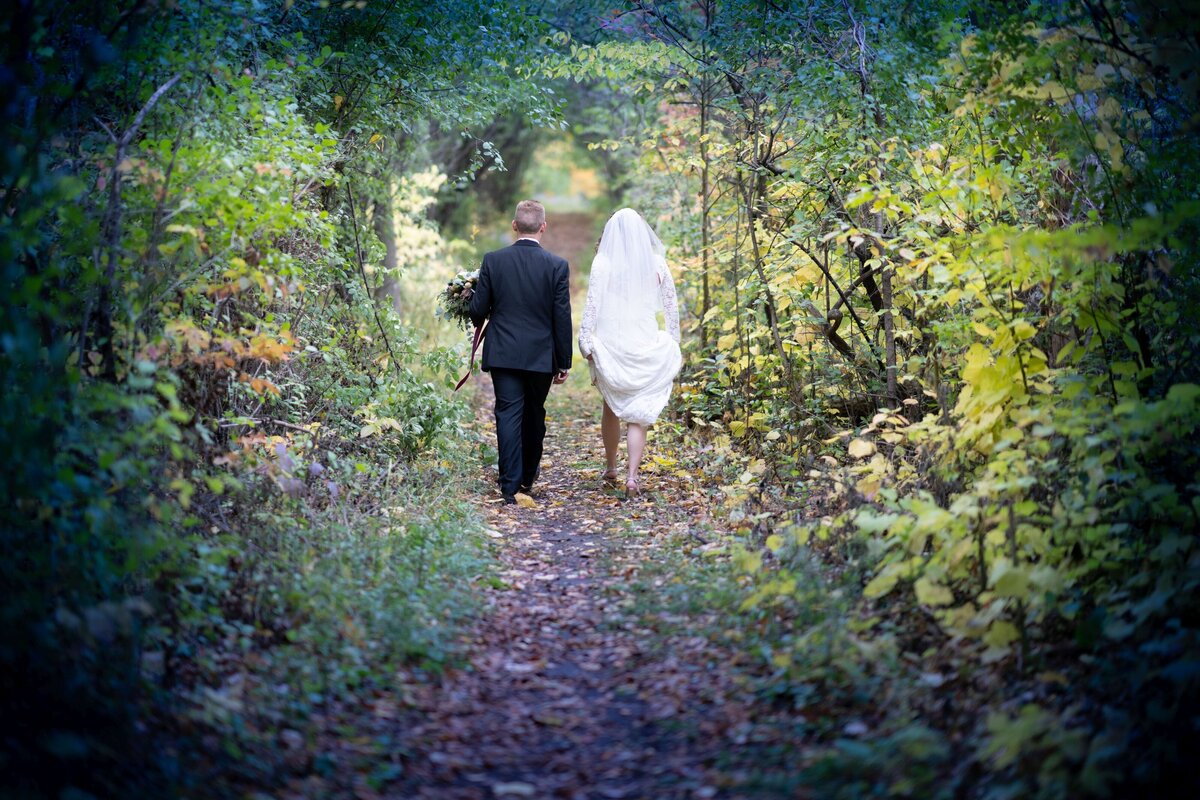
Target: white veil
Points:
(625, 280)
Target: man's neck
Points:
(530, 238)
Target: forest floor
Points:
(598, 666)
(584, 681)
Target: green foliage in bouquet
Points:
(455, 299)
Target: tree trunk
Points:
(889, 336)
(110, 232)
(753, 197)
(705, 300)
(385, 229)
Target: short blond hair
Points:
(530, 216)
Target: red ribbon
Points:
(479, 329)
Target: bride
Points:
(633, 363)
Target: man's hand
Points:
(561, 376)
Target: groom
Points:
(524, 292)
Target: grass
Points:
(311, 604)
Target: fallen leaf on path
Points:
(513, 789)
(854, 728)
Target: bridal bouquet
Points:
(454, 304)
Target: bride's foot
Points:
(632, 489)
(609, 476)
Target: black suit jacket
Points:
(525, 291)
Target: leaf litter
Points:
(567, 694)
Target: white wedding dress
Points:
(633, 361)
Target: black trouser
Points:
(520, 425)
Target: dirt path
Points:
(566, 696)
(572, 236)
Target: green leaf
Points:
(1184, 394)
(870, 522)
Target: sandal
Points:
(609, 476)
(632, 489)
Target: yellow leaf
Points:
(1011, 582)
(747, 562)
(861, 448)
(1051, 90)
(869, 486)
(932, 594)
(1109, 109)
(1022, 330)
(525, 501)
(1001, 634)
(977, 359)
(882, 583)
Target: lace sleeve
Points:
(670, 303)
(587, 324)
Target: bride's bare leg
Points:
(610, 432)
(635, 439)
